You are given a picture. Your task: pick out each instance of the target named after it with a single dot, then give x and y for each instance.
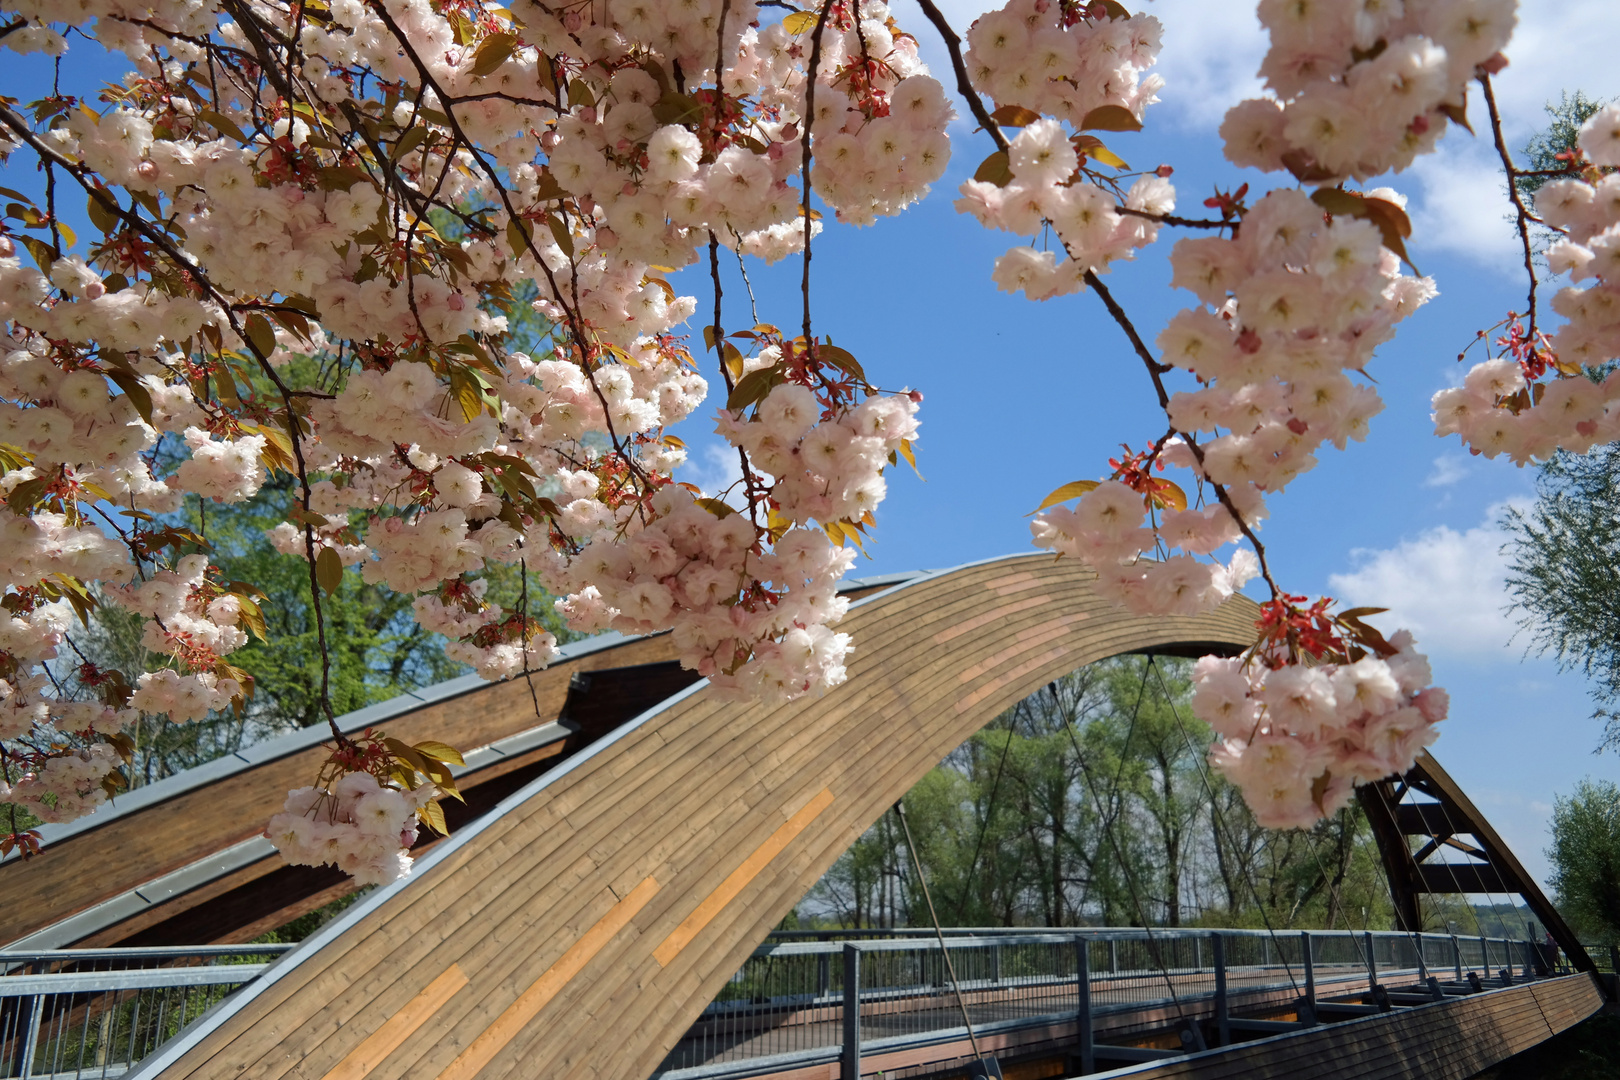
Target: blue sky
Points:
(1022, 397)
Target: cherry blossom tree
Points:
(315, 219)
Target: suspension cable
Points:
(1215, 813)
(1119, 853)
(950, 968)
(984, 827)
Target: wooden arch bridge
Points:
(626, 851)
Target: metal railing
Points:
(79, 1013)
(798, 1002)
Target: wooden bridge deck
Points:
(1445, 1040)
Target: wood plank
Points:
(528, 1005)
(385, 1040)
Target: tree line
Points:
(1091, 803)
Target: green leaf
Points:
(329, 570)
(1168, 493)
(1071, 490)
(253, 616)
(432, 815)
(518, 236)
(911, 458)
(716, 507)
(677, 109)
(492, 53)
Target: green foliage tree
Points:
(1565, 550)
(1585, 855)
(1564, 577)
(1090, 803)
(375, 649)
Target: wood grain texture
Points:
(685, 797)
(134, 848)
(385, 1040)
(1449, 1040)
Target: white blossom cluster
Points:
(1043, 194)
(359, 826)
(1580, 410)
(1297, 740)
(1293, 307)
(1060, 60)
(367, 206)
(1359, 89)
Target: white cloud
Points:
(1210, 56)
(1448, 469)
(1559, 45)
(1447, 587)
(1461, 206)
(714, 468)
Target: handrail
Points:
(153, 952)
(82, 982)
(978, 938)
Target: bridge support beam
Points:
(1082, 967)
(850, 1062)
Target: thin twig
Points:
(804, 162)
(1522, 216)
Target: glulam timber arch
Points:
(579, 929)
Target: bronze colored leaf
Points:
(1015, 116)
(1110, 118)
(995, 169)
(1072, 490)
(492, 53)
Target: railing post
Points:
(823, 975)
(1082, 970)
(851, 1060)
(36, 1012)
(1223, 1029)
(1265, 951)
(995, 964)
(1484, 956)
(1113, 956)
(1614, 959)
(1308, 1005)
(1198, 954)
(1372, 961)
(1456, 955)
